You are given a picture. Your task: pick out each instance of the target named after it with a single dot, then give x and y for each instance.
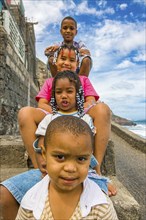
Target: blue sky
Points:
(114, 32)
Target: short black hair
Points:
(70, 124)
(69, 18)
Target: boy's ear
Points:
(43, 152)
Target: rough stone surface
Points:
(17, 88)
(131, 138)
(12, 152)
(122, 121)
(126, 206)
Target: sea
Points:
(139, 128)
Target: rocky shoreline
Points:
(122, 121)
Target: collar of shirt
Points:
(35, 198)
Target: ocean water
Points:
(139, 128)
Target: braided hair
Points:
(73, 77)
(65, 46)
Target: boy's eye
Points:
(82, 159)
(60, 157)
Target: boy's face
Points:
(68, 159)
(68, 30)
(65, 95)
(67, 60)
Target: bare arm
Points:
(89, 100)
(40, 159)
(44, 104)
(84, 52)
(50, 50)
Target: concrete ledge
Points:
(131, 138)
(12, 152)
(108, 165)
(125, 205)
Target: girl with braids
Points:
(67, 99)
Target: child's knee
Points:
(86, 61)
(101, 110)
(24, 114)
(4, 196)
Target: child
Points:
(68, 31)
(66, 192)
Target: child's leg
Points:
(8, 205)
(85, 66)
(13, 189)
(29, 118)
(101, 116)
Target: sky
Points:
(114, 32)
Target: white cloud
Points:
(123, 90)
(101, 3)
(123, 6)
(124, 64)
(83, 8)
(140, 1)
(114, 41)
(141, 56)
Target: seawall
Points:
(132, 139)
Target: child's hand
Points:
(50, 50)
(89, 101)
(83, 52)
(41, 164)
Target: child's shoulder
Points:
(79, 44)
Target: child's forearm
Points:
(89, 101)
(45, 106)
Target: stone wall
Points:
(17, 88)
(131, 138)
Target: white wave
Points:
(139, 129)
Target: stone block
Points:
(12, 152)
(108, 165)
(125, 205)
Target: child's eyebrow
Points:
(68, 154)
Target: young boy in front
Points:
(66, 192)
(69, 31)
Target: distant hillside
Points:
(122, 121)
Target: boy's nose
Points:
(70, 167)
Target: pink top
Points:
(46, 89)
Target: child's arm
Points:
(44, 104)
(44, 95)
(83, 50)
(49, 51)
(39, 142)
(89, 100)
(39, 157)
